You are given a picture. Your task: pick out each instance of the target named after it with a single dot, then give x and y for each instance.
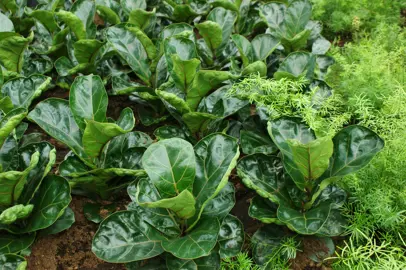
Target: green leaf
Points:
(88, 100)
(298, 64)
(12, 51)
(168, 132)
(119, 152)
(146, 42)
(175, 101)
(55, 118)
(257, 67)
(184, 71)
(222, 204)
(73, 22)
(138, 241)
(22, 91)
(45, 17)
(256, 143)
(108, 14)
(264, 174)
(175, 29)
(273, 14)
(11, 243)
(263, 45)
(205, 80)
(47, 157)
(231, 237)
(64, 222)
(9, 122)
(160, 218)
(129, 5)
(65, 67)
(183, 13)
(86, 50)
(284, 129)
(12, 261)
(211, 262)
(364, 145)
(216, 157)
(211, 33)
(10, 215)
(50, 202)
(198, 121)
(183, 205)
(264, 210)
(197, 243)
(85, 10)
(296, 17)
(245, 49)
(12, 182)
(130, 48)
(226, 19)
(97, 134)
(181, 46)
(141, 18)
(311, 159)
(6, 25)
(170, 164)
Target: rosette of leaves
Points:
(296, 188)
(291, 25)
(31, 201)
(181, 210)
(103, 150)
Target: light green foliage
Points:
(350, 16)
(286, 97)
(241, 262)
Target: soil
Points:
(70, 249)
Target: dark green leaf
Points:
(222, 204)
(264, 210)
(11, 243)
(256, 143)
(231, 237)
(12, 51)
(12, 261)
(264, 241)
(263, 45)
(64, 222)
(298, 64)
(245, 48)
(212, 34)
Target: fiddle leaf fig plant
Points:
(296, 187)
(181, 208)
(102, 150)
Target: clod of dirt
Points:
(310, 246)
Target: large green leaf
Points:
(125, 237)
(298, 64)
(141, 18)
(205, 80)
(212, 34)
(264, 174)
(55, 118)
(180, 45)
(170, 165)
(198, 121)
(86, 50)
(263, 45)
(129, 5)
(119, 151)
(183, 204)
(88, 100)
(85, 10)
(10, 121)
(264, 241)
(245, 48)
(284, 129)
(47, 157)
(12, 182)
(231, 237)
(161, 219)
(196, 243)
(130, 48)
(97, 134)
(183, 71)
(296, 18)
(50, 202)
(264, 210)
(354, 147)
(11, 243)
(11, 214)
(6, 25)
(22, 91)
(12, 51)
(216, 157)
(73, 22)
(64, 222)
(210, 262)
(273, 14)
(254, 142)
(311, 159)
(225, 19)
(222, 204)
(12, 261)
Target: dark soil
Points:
(303, 262)
(70, 249)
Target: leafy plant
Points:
(102, 149)
(181, 208)
(241, 262)
(296, 190)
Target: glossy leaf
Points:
(51, 200)
(196, 243)
(64, 222)
(226, 19)
(212, 34)
(85, 50)
(256, 143)
(298, 64)
(6, 25)
(11, 214)
(22, 91)
(97, 134)
(264, 210)
(216, 157)
(231, 237)
(198, 121)
(168, 132)
(11, 243)
(73, 22)
(124, 237)
(245, 48)
(12, 261)
(184, 71)
(55, 118)
(264, 241)
(221, 205)
(183, 205)
(10, 121)
(12, 51)
(85, 10)
(129, 47)
(170, 164)
(141, 18)
(263, 45)
(88, 100)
